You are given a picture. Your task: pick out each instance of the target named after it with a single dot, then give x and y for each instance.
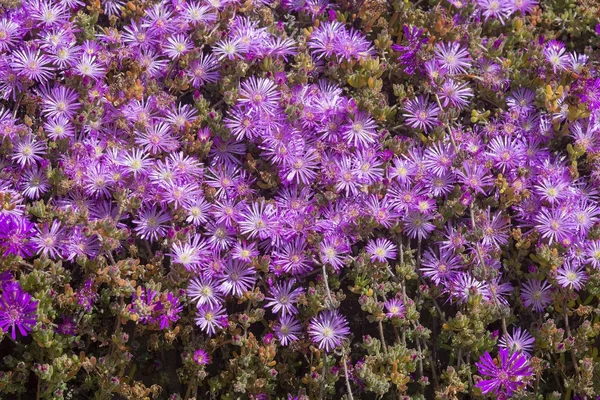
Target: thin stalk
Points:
(326, 281)
(381, 336)
(17, 105)
(470, 374)
(385, 350)
(420, 357)
(398, 336)
(347, 378)
(322, 386)
(568, 329)
(447, 126)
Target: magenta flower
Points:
(201, 357)
(17, 310)
(506, 374)
(16, 235)
(169, 310)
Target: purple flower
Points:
(420, 113)
(408, 53)
(151, 223)
(418, 225)
(523, 6)
(236, 278)
(555, 225)
(67, 326)
(381, 250)
(494, 229)
(258, 220)
(519, 341)
(360, 131)
(28, 151)
(259, 94)
(442, 268)
(328, 329)
(505, 153)
(191, 254)
(210, 318)
(17, 310)
(16, 233)
(556, 54)
(464, 285)
(204, 290)
(59, 101)
(593, 254)
(287, 329)
(283, 298)
(292, 259)
(521, 100)
(475, 176)
(10, 32)
(332, 38)
(438, 158)
(395, 308)
(455, 93)
(453, 57)
(536, 294)
(571, 276)
(32, 64)
(505, 375)
(498, 9)
(169, 310)
(333, 252)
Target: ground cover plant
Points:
(299, 199)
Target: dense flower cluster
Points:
(299, 199)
